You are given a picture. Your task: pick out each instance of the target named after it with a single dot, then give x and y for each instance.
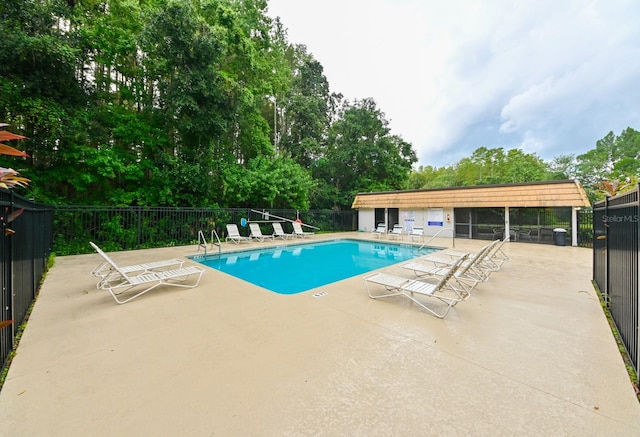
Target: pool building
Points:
(530, 212)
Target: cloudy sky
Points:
(550, 77)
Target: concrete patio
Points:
(530, 354)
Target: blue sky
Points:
(549, 77)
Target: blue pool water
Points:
(300, 267)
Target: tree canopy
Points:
(207, 103)
(615, 161)
(487, 166)
(178, 103)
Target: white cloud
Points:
(545, 76)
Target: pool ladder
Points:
(202, 242)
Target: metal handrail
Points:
(219, 243)
(453, 239)
(202, 242)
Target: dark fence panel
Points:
(144, 227)
(615, 266)
(25, 246)
(600, 249)
(132, 227)
(542, 222)
(585, 227)
(6, 302)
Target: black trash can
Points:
(560, 236)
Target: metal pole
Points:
(286, 219)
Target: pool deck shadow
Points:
(529, 354)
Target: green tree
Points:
(430, 177)
(305, 116)
(613, 158)
(421, 177)
(486, 166)
(523, 167)
(627, 161)
(596, 164)
(268, 183)
(168, 102)
(494, 166)
(563, 167)
(193, 104)
(39, 92)
(444, 177)
(362, 155)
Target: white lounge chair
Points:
(123, 282)
(380, 230)
(479, 266)
(466, 276)
(256, 233)
(278, 232)
(416, 234)
(396, 232)
(495, 256)
(399, 286)
(106, 272)
(298, 232)
(233, 234)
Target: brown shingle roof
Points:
(535, 194)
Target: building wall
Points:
(441, 222)
(432, 220)
(366, 219)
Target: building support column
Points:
(385, 220)
(574, 226)
(507, 230)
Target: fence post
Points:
(139, 208)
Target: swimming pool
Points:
(296, 268)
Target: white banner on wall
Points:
(409, 220)
(435, 217)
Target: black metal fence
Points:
(615, 264)
(585, 227)
(144, 227)
(25, 246)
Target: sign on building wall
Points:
(435, 217)
(409, 220)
